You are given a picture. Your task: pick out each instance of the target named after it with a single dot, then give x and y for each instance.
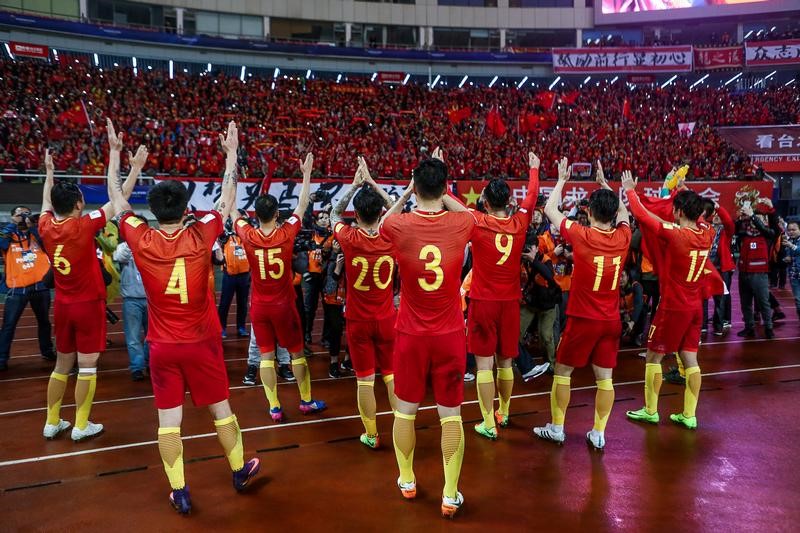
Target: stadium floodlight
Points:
(759, 32)
(374, 75)
(276, 73)
(436, 80)
(748, 34)
(494, 80)
(463, 81)
(308, 74)
(586, 80)
(733, 79)
(339, 78)
(208, 67)
(555, 81)
(242, 74)
(96, 59)
(273, 86)
(673, 78)
(8, 49)
(523, 82)
(614, 80)
(171, 69)
(768, 76)
(698, 82)
(789, 83)
(772, 28)
(135, 68)
(405, 80)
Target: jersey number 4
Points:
(177, 281)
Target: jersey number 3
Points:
(433, 263)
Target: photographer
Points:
(319, 248)
(755, 234)
(540, 298)
(27, 266)
(235, 280)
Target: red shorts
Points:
(371, 344)
(80, 326)
(587, 340)
(279, 323)
(198, 366)
(493, 328)
(443, 358)
(675, 331)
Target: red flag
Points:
(456, 115)
(76, 115)
(545, 99)
(570, 97)
(626, 110)
(495, 123)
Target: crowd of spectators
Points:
(624, 126)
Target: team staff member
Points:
(80, 308)
(26, 268)
(235, 279)
(314, 279)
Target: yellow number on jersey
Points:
(504, 249)
(363, 264)
(432, 265)
(272, 259)
(61, 263)
(600, 261)
(177, 281)
(694, 275)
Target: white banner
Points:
(768, 53)
(615, 60)
(686, 128)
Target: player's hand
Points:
(437, 154)
(114, 139)
(628, 183)
(230, 141)
(307, 166)
(563, 170)
(408, 192)
(747, 210)
(140, 158)
(364, 169)
(600, 177)
(48, 162)
(533, 161)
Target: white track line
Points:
(339, 418)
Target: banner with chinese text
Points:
(29, 50)
(718, 57)
(614, 60)
(775, 148)
(769, 53)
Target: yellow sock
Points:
(269, 379)
(84, 395)
(389, 382)
(652, 386)
(505, 384)
(692, 392)
(170, 447)
(300, 369)
(485, 382)
(603, 402)
(681, 369)
(452, 453)
(230, 437)
(405, 440)
(559, 399)
(366, 406)
(55, 394)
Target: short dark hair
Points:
(65, 196)
(430, 179)
(168, 201)
(793, 222)
(689, 203)
(368, 204)
(708, 208)
(266, 208)
(14, 209)
(497, 193)
(603, 205)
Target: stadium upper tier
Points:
(484, 130)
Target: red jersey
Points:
(369, 270)
(72, 250)
(175, 269)
(598, 256)
(429, 248)
(270, 258)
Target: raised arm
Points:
(49, 168)
(644, 217)
(305, 191)
(367, 177)
(137, 163)
(341, 206)
(551, 207)
(622, 211)
(398, 205)
(117, 200)
(230, 145)
(451, 201)
(533, 182)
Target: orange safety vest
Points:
(235, 257)
(315, 256)
(26, 262)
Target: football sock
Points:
(388, 380)
(505, 383)
(300, 369)
(230, 437)
(603, 402)
(452, 453)
(652, 386)
(485, 382)
(55, 394)
(84, 394)
(269, 379)
(559, 399)
(681, 368)
(170, 447)
(366, 406)
(405, 440)
(692, 392)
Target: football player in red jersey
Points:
(686, 244)
(272, 307)
(184, 328)
(370, 312)
(80, 311)
(429, 245)
(593, 323)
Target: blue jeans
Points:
(134, 321)
(796, 292)
(254, 354)
(16, 300)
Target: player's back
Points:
(497, 245)
(369, 269)
(686, 253)
(429, 248)
(70, 242)
(270, 258)
(175, 269)
(598, 257)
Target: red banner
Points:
(718, 57)
(641, 78)
(391, 77)
(769, 53)
(29, 50)
(775, 148)
(615, 60)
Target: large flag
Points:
(457, 115)
(75, 115)
(545, 99)
(535, 122)
(570, 97)
(495, 123)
